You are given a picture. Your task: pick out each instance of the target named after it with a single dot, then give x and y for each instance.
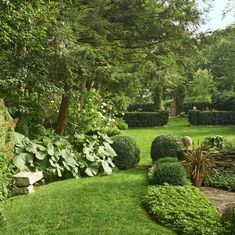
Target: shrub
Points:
(121, 124)
(167, 170)
(183, 208)
(149, 107)
(212, 118)
(166, 146)
(229, 224)
(223, 180)
(128, 153)
(146, 119)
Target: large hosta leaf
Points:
(91, 171)
(106, 167)
(20, 160)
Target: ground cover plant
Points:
(223, 180)
(183, 208)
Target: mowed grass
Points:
(108, 205)
(179, 126)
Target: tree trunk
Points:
(63, 113)
(82, 91)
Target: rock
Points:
(187, 141)
(24, 179)
(23, 190)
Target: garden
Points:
(116, 117)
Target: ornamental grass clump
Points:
(199, 164)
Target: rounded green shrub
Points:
(128, 153)
(166, 146)
(168, 170)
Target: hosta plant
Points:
(96, 153)
(52, 154)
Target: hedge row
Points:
(149, 107)
(146, 119)
(212, 118)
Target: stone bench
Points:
(24, 182)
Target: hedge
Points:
(139, 119)
(212, 118)
(149, 107)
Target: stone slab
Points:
(23, 190)
(24, 179)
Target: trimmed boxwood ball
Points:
(128, 153)
(166, 146)
(168, 170)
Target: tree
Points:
(201, 87)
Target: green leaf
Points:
(50, 149)
(20, 160)
(40, 155)
(91, 171)
(106, 167)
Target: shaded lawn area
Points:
(179, 126)
(108, 205)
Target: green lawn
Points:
(181, 127)
(108, 205)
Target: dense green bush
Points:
(128, 153)
(149, 107)
(229, 224)
(212, 118)
(183, 208)
(166, 146)
(145, 119)
(167, 170)
(223, 180)
(224, 102)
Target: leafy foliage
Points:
(166, 146)
(52, 154)
(167, 170)
(202, 87)
(217, 141)
(148, 107)
(146, 119)
(183, 208)
(223, 180)
(56, 157)
(95, 153)
(128, 153)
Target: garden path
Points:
(220, 197)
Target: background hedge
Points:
(212, 118)
(145, 119)
(149, 107)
